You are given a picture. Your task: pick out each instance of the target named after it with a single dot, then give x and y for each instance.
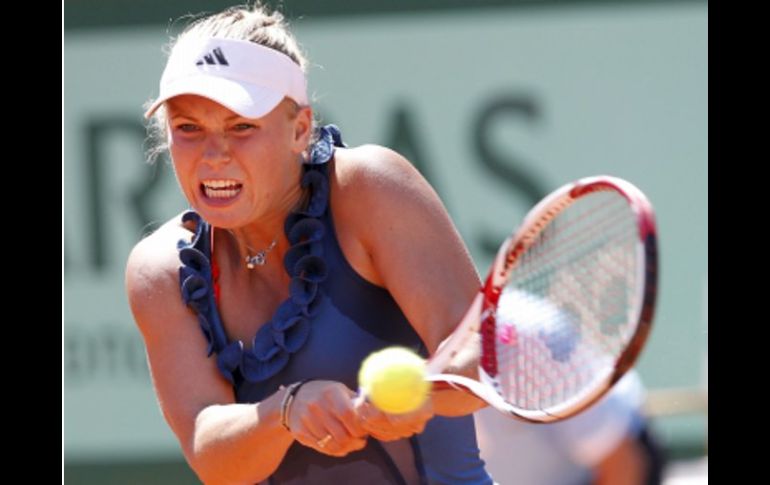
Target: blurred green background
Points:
(496, 103)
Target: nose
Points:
(217, 149)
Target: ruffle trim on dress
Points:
(289, 328)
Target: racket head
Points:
(568, 303)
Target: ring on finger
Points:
(324, 441)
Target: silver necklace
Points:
(260, 258)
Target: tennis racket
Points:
(566, 307)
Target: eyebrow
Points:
(184, 116)
(193, 118)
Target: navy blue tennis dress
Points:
(331, 321)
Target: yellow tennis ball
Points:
(394, 380)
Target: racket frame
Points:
(479, 317)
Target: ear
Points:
(303, 127)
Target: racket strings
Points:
(566, 303)
(563, 340)
(603, 286)
(537, 269)
(548, 250)
(552, 254)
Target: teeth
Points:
(221, 184)
(221, 188)
(220, 193)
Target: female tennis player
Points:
(298, 258)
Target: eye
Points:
(188, 128)
(242, 127)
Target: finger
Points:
(338, 402)
(309, 431)
(349, 418)
(388, 427)
(369, 413)
(414, 422)
(371, 423)
(383, 430)
(353, 444)
(325, 415)
(407, 427)
(329, 446)
(396, 426)
(352, 423)
(341, 440)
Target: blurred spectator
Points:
(609, 443)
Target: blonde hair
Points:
(254, 23)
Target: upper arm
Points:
(414, 247)
(185, 380)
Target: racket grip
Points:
(359, 398)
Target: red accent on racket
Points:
(567, 305)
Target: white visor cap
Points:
(247, 78)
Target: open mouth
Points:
(221, 189)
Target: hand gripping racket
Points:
(567, 305)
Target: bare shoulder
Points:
(374, 181)
(377, 169)
(371, 185)
(152, 270)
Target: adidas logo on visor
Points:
(213, 58)
(247, 78)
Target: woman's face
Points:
(235, 170)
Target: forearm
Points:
(239, 443)
(452, 402)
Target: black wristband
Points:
(288, 398)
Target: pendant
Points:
(258, 259)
